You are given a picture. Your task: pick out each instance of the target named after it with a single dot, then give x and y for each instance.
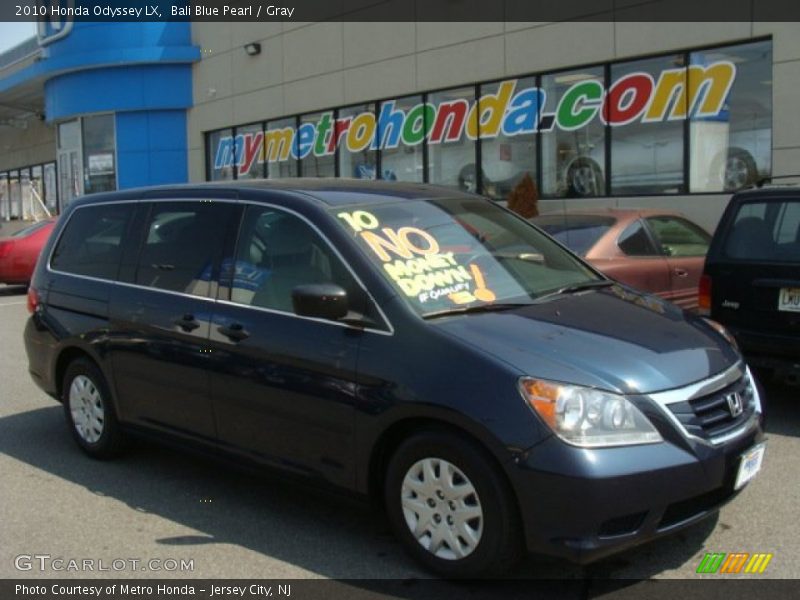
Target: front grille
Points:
(710, 416)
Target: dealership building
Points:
(620, 114)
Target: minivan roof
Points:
(329, 191)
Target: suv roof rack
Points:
(765, 180)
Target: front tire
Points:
(450, 506)
(89, 411)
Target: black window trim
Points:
(49, 268)
(650, 238)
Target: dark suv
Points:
(751, 280)
(416, 344)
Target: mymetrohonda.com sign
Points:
(697, 91)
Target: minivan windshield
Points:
(462, 254)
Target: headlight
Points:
(588, 417)
(723, 331)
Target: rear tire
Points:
(450, 506)
(89, 410)
(739, 171)
(585, 179)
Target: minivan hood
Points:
(611, 338)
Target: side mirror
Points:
(320, 300)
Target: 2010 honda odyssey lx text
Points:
(421, 345)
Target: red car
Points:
(656, 251)
(19, 251)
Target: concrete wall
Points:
(305, 67)
(25, 147)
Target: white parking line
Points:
(13, 303)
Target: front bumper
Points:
(584, 504)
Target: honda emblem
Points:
(735, 404)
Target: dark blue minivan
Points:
(422, 346)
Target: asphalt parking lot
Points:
(157, 503)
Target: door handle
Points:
(235, 331)
(187, 322)
(681, 272)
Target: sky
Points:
(12, 34)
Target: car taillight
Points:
(704, 295)
(5, 248)
(33, 300)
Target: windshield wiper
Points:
(533, 257)
(475, 309)
(577, 287)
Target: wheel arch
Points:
(66, 357)
(392, 436)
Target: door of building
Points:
(70, 162)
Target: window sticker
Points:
(414, 261)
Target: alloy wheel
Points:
(584, 179)
(737, 173)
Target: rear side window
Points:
(182, 244)
(634, 241)
(91, 242)
(578, 233)
(679, 237)
(766, 231)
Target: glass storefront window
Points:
(451, 148)
(357, 155)
(401, 130)
(99, 165)
(573, 143)
(50, 187)
(683, 122)
(249, 143)
(221, 155)
(278, 151)
(646, 135)
(731, 149)
(315, 145)
(5, 209)
(70, 169)
(508, 151)
(26, 196)
(37, 189)
(69, 134)
(15, 195)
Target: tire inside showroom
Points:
(585, 179)
(451, 493)
(89, 410)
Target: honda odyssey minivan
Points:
(411, 343)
